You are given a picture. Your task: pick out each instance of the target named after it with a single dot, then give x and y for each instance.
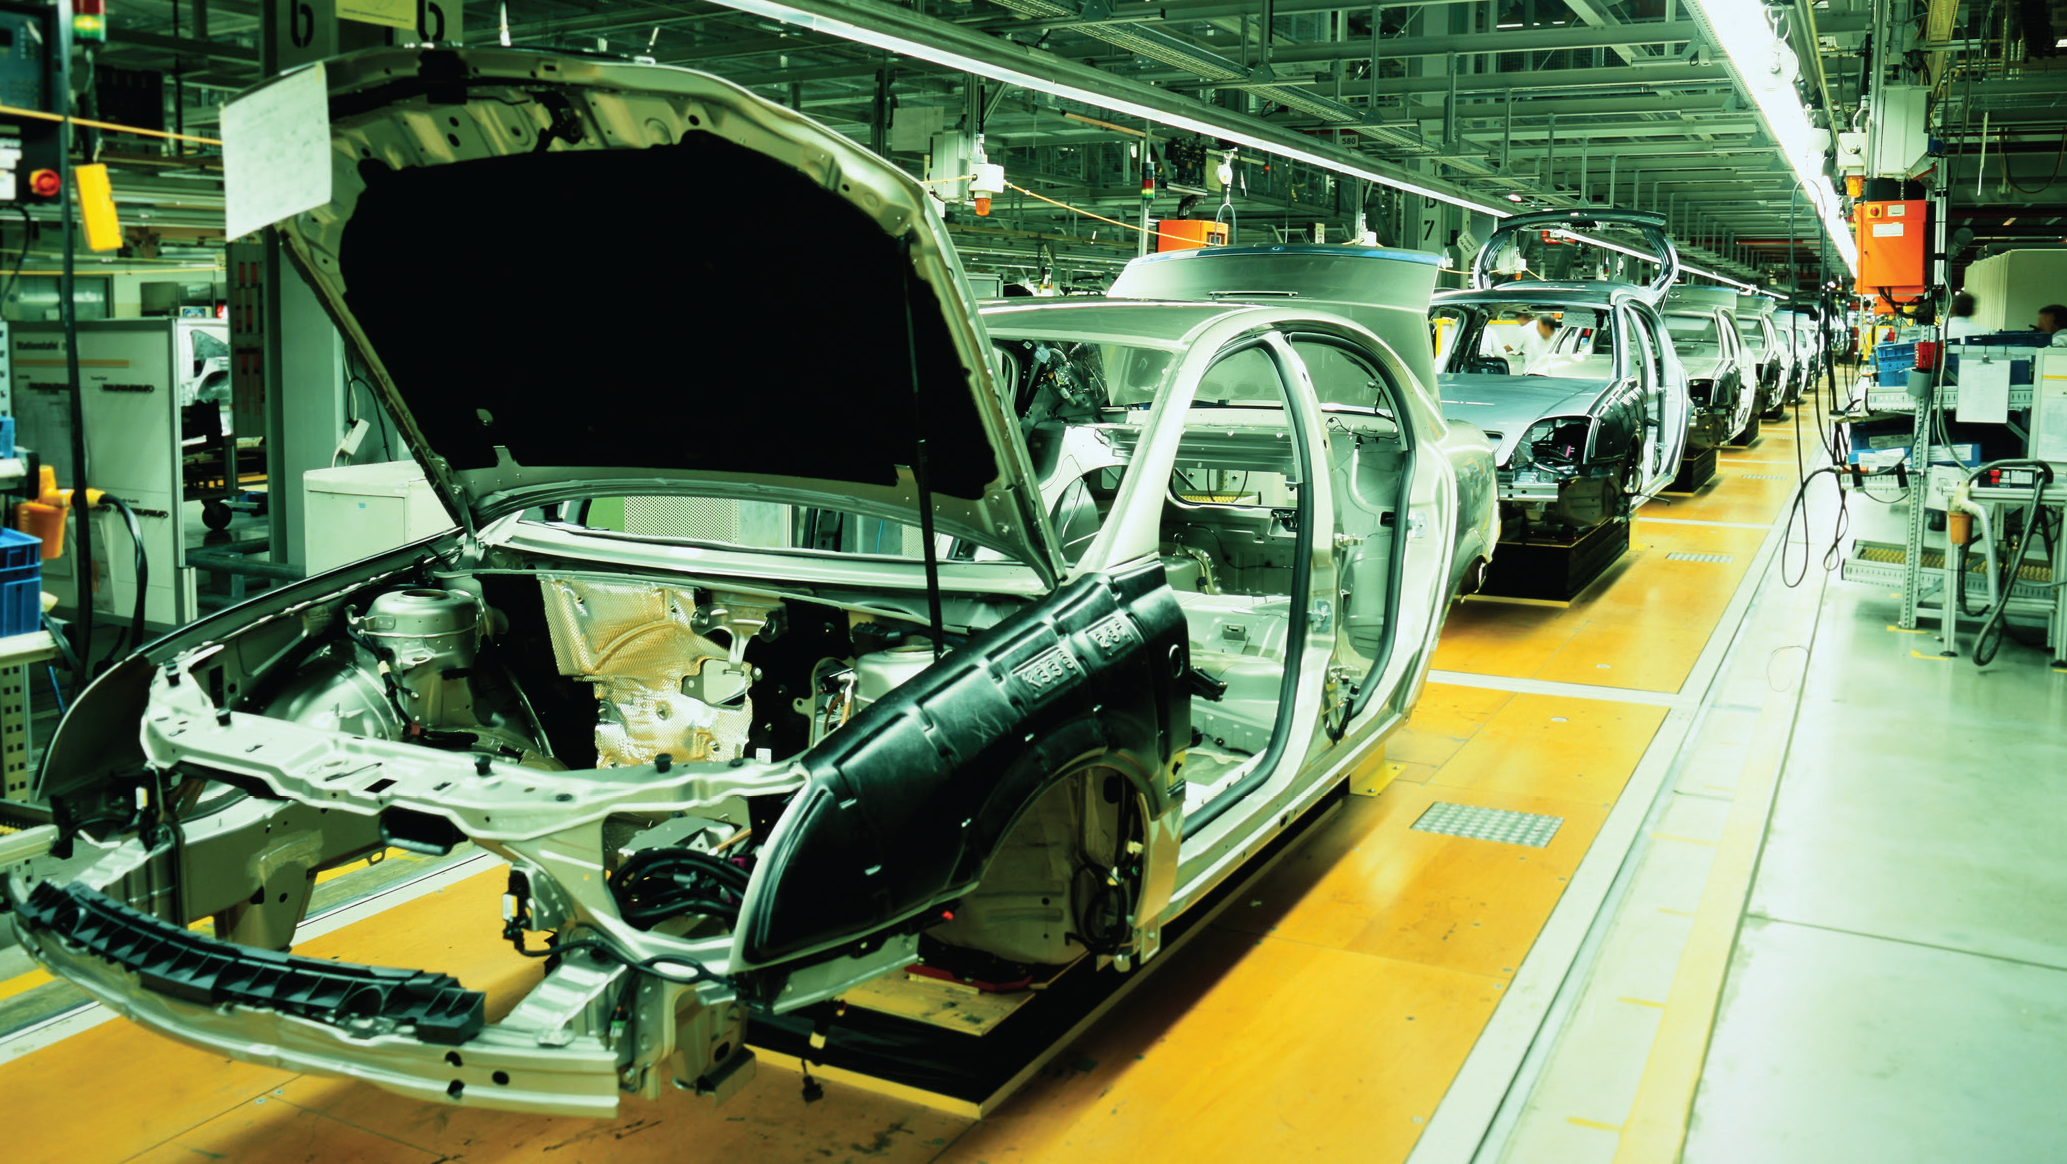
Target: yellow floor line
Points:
(1657, 1124)
(1594, 1124)
(1682, 840)
(1903, 630)
(1932, 658)
(1674, 912)
(1641, 1002)
(22, 983)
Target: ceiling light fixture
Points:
(1766, 69)
(890, 41)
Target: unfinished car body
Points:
(755, 711)
(1572, 379)
(1721, 377)
(1770, 348)
(1386, 292)
(1802, 330)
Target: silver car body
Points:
(1770, 346)
(1381, 289)
(1595, 423)
(746, 736)
(1721, 377)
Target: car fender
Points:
(904, 806)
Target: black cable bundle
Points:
(658, 884)
(132, 638)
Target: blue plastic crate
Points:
(18, 549)
(21, 582)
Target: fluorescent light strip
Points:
(1758, 61)
(890, 42)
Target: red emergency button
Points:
(44, 183)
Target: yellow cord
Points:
(39, 115)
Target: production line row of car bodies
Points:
(999, 641)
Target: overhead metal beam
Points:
(185, 46)
(1560, 80)
(1522, 41)
(887, 27)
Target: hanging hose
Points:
(131, 637)
(1989, 640)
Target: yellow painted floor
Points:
(1322, 1015)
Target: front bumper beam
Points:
(177, 962)
(412, 1032)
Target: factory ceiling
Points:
(1503, 103)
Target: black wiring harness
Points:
(675, 968)
(657, 884)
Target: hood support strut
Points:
(921, 478)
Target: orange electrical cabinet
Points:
(1893, 246)
(1183, 234)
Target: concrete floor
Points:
(1899, 987)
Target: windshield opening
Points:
(1522, 337)
(1692, 329)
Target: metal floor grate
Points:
(1717, 559)
(1488, 824)
(1765, 477)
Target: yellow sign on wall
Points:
(391, 13)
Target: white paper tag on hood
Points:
(276, 151)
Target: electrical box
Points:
(2048, 427)
(952, 162)
(357, 511)
(1851, 154)
(1183, 234)
(28, 146)
(1893, 247)
(1899, 133)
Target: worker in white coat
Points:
(2052, 320)
(1532, 347)
(1959, 320)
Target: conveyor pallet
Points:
(1555, 571)
(1694, 471)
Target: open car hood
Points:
(540, 258)
(1651, 244)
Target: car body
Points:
(1808, 353)
(1594, 422)
(1770, 349)
(757, 706)
(1383, 290)
(1721, 378)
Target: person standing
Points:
(1532, 346)
(2052, 320)
(1959, 321)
